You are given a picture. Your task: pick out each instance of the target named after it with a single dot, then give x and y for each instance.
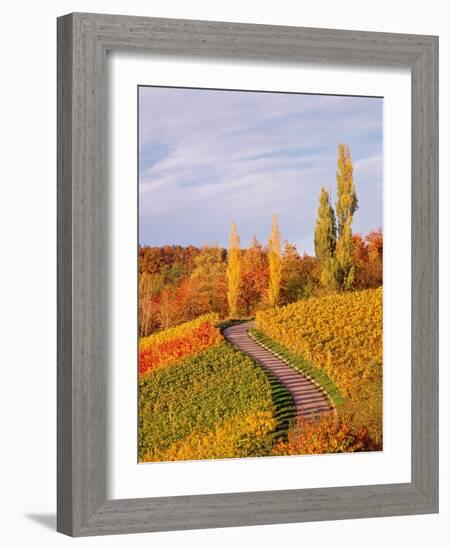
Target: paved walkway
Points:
(309, 400)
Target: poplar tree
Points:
(274, 254)
(233, 271)
(325, 241)
(347, 201)
(345, 258)
(346, 205)
(325, 231)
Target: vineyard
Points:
(340, 334)
(200, 398)
(215, 404)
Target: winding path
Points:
(309, 400)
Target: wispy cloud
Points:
(207, 157)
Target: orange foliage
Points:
(326, 435)
(368, 257)
(180, 343)
(254, 277)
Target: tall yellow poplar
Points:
(233, 271)
(346, 205)
(347, 201)
(325, 242)
(274, 254)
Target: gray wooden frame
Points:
(83, 41)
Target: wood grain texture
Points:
(64, 299)
(425, 273)
(83, 244)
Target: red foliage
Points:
(169, 352)
(368, 255)
(328, 434)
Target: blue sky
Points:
(208, 157)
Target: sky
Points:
(211, 157)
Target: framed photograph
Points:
(247, 274)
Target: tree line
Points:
(177, 284)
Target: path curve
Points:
(309, 400)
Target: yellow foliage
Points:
(180, 331)
(274, 255)
(342, 334)
(339, 333)
(235, 437)
(233, 271)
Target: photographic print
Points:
(260, 274)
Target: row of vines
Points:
(200, 398)
(340, 334)
(216, 404)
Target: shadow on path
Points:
(308, 399)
